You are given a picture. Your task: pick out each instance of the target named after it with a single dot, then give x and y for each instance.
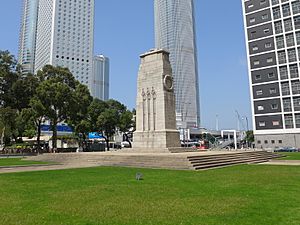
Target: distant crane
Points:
(240, 121)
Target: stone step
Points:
(223, 164)
(214, 162)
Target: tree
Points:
(249, 137)
(79, 112)
(8, 121)
(126, 123)
(57, 94)
(8, 76)
(107, 122)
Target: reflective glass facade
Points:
(175, 32)
(100, 83)
(28, 35)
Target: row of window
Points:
(261, 3)
(283, 57)
(286, 102)
(285, 10)
(288, 120)
(272, 141)
(288, 25)
(63, 57)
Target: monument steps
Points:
(127, 160)
(221, 160)
(189, 161)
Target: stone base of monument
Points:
(156, 139)
(159, 150)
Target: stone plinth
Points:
(155, 106)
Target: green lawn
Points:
(17, 162)
(290, 156)
(240, 195)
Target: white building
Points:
(175, 32)
(272, 31)
(64, 36)
(100, 81)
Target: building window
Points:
(281, 57)
(297, 120)
(296, 7)
(266, 31)
(266, 141)
(256, 63)
(279, 141)
(268, 45)
(274, 106)
(269, 60)
(262, 2)
(276, 13)
(260, 108)
(288, 119)
(275, 2)
(294, 71)
(285, 88)
(265, 16)
(275, 123)
(296, 101)
(250, 6)
(273, 141)
(259, 92)
(258, 77)
(290, 40)
(254, 48)
(253, 34)
(292, 55)
(252, 20)
(287, 105)
(278, 27)
(296, 87)
(298, 38)
(261, 123)
(297, 22)
(283, 71)
(271, 75)
(288, 26)
(259, 142)
(272, 90)
(286, 10)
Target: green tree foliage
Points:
(249, 136)
(64, 98)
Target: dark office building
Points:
(272, 30)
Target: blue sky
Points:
(124, 30)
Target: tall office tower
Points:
(64, 36)
(28, 36)
(272, 30)
(175, 32)
(100, 82)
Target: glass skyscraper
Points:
(28, 35)
(100, 82)
(175, 32)
(59, 33)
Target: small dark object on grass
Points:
(139, 176)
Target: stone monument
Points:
(155, 104)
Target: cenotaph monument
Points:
(155, 104)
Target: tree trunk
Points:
(127, 139)
(107, 142)
(38, 138)
(54, 136)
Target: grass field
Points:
(244, 195)
(290, 156)
(17, 162)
